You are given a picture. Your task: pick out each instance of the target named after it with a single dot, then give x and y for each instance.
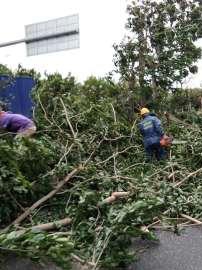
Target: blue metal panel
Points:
(6, 95)
(24, 87)
(16, 93)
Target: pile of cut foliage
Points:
(84, 174)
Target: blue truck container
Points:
(16, 94)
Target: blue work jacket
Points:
(151, 130)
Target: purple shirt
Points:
(14, 122)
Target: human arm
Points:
(4, 123)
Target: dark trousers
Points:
(155, 151)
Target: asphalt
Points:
(13, 262)
(171, 252)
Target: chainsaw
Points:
(166, 141)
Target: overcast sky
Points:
(102, 24)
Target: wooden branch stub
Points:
(114, 196)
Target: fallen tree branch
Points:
(187, 177)
(47, 197)
(120, 194)
(52, 225)
(153, 225)
(196, 221)
(116, 154)
(144, 229)
(114, 196)
(46, 226)
(165, 227)
(172, 118)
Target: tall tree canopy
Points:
(160, 50)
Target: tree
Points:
(160, 50)
(4, 70)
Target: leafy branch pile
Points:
(86, 151)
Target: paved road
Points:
(12, 262)
(173, 252)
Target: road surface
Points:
(172, 252)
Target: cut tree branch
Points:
(114, 196)
(47, 197)
(52, 225)
(46, 226)
(196, 221)
(187, 177)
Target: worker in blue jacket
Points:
(152, 132)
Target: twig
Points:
(67, 118)
(45, 114)
(92, 153)
(133, 126)
(20, 206)
(173, 172)
(154, 223)
(172, 175)
(115, 169)
(161, 170)
(63, 156)
(106, 241)
(122, 177)
(133, 165)
(187, 177)
(196, 221)
(114, 113)
(191, 219)
(13, 198)
(115, 139)
(75, 186)
(115, 155)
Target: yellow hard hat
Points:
(144, 111)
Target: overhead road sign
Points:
(50, 36)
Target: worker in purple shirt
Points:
(17, 124)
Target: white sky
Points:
(101, 25)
